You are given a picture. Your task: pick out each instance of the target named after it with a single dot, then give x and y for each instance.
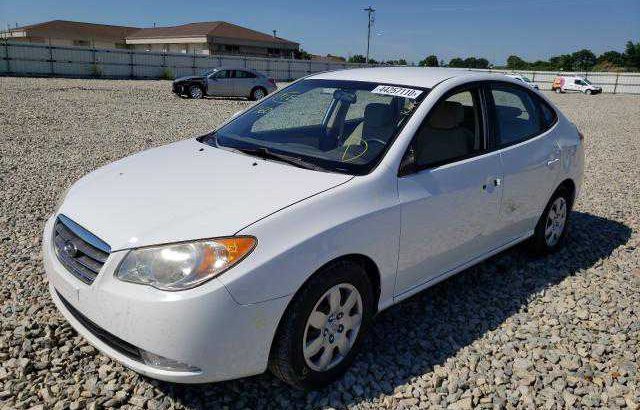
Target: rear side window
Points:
(549, 116)
(516, 114)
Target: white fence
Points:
(615, 83)
(42, 60)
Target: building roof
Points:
(66, 28)
(410, 76)
(210, 28)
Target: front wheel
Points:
(195, 92)
(551, 230)
(588, 92)
(320, 332)
(558, 91)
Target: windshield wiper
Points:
(265, 153)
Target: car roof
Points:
(409, 76)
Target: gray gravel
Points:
(514, 332)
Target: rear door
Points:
(450, 200)
(244, 83)
(529, 152)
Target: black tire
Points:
(254, 95)
(196, 92)
(558, 90)
(588, 92)
(538, 243)
(287, 360)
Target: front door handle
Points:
(495, 182)
(552, 161)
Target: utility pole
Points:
(370, 12)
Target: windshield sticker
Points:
(411, 93)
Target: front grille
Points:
(110, 340)
(81, 252)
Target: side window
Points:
(549, 116)
(452, 130)
(515, 114)
(244, 74)
(222, 74)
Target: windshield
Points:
(526, 79)
(336, 126)
(586, 81)
(208, 72)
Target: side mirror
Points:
(408, 163)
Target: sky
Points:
(409, 29)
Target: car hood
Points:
(188, 78)
(185, 191)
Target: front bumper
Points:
(202, 327)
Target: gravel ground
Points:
(514, 332)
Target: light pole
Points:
(370, 10)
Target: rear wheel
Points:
(195, 92)
(558, 90)
(321, 330)
(588, 92)
(257, 93)
(551, 230)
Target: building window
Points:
(231, 48)
(274, 51)
(81, 43)
(123, 46)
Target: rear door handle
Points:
(552, 161)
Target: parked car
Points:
(273, 241)
(524, 79)
(573, 83)
(226, 82)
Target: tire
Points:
(195, 92)
(588, 92)
(542, 241)
(257, 93)
(558, 91)
(296, 364)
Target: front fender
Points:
(358, 217)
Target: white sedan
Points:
(272, 242)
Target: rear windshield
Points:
(336, 126)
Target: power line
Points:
(370, 12)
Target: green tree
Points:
(613, 57)
(456, 62)
(482, 63)
(358, 58)
(429, 61)
(302, 55)
(632, 55)
(516, 63)
(562, 62)
(583, 60)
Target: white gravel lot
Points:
(513, 332)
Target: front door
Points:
(220, 83)
(450, 203)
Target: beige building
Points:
(71, 33)
(216, 37)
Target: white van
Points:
(574, 83)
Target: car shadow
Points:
(411, 338)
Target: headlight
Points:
(183, 265)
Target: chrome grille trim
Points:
(82, 253)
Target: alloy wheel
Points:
(258, 94)
(332, 327)
(195, 92)
(556, 220)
